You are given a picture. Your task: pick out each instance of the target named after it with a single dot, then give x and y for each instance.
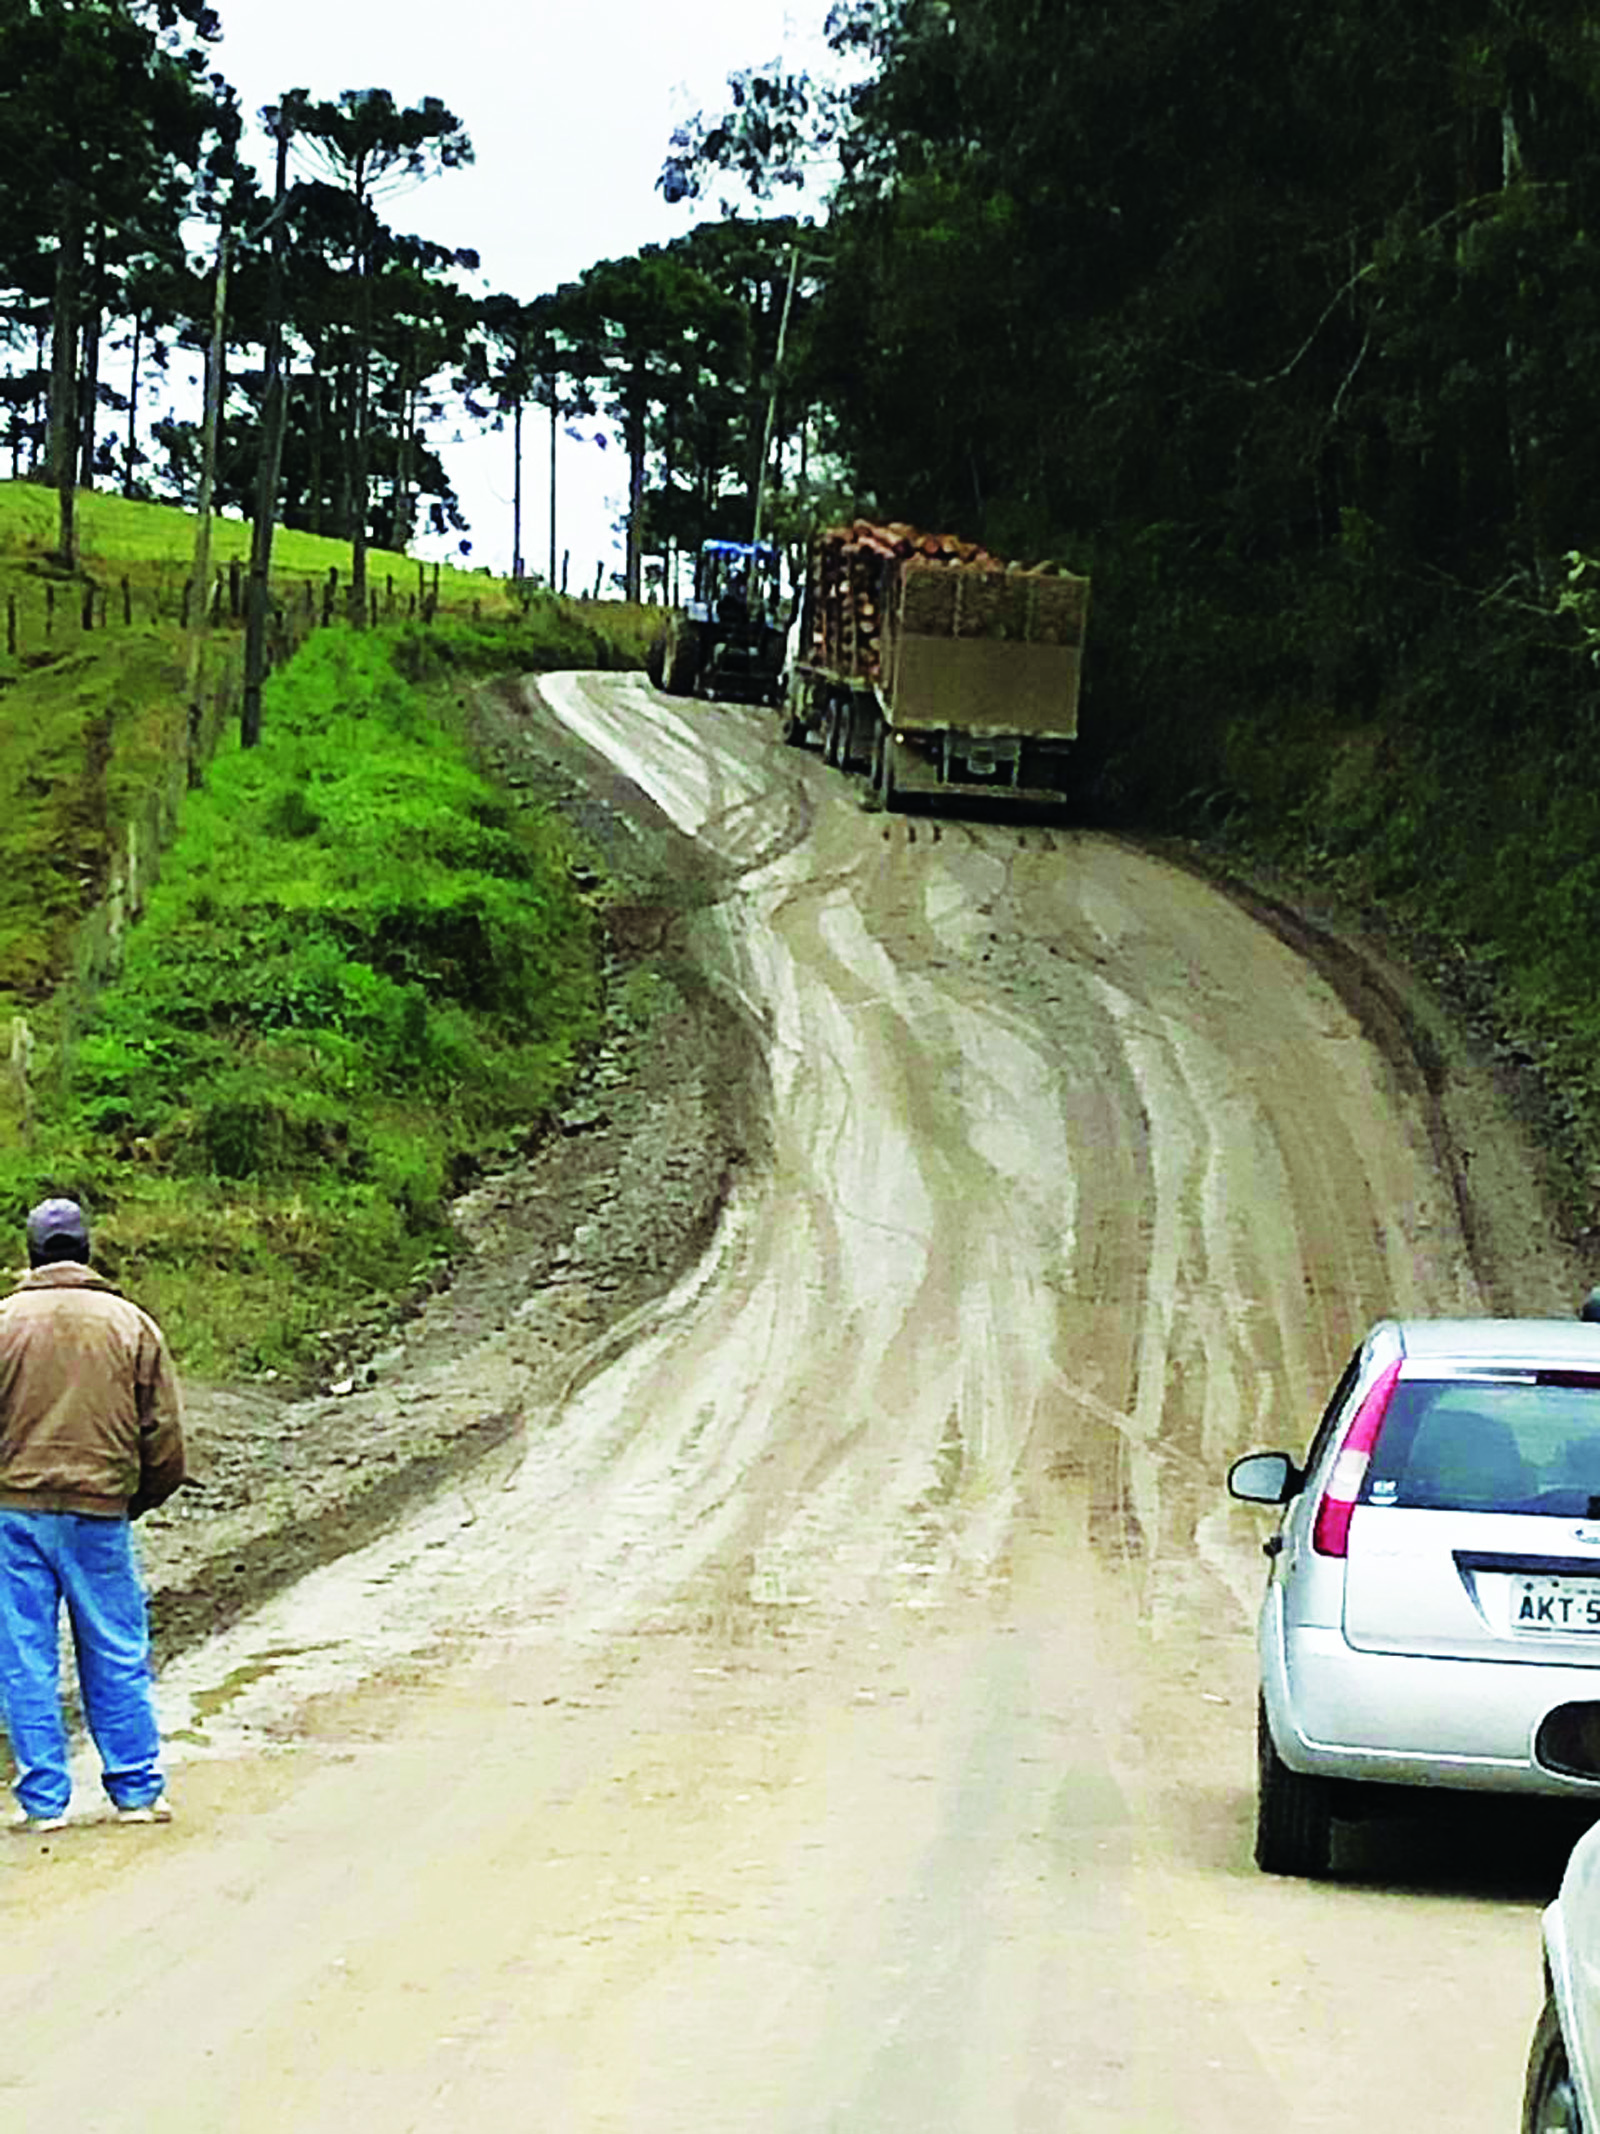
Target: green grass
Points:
(136, 560)
(359, 971)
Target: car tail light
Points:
(1331, 1534)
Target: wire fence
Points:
(45, 617)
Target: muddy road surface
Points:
(832, 1708)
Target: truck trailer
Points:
(936, 666)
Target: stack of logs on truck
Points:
(936, 666)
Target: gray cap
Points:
(54, 1219)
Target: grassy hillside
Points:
(261, 1026)
(136, 559)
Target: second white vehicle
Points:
(1432, 1612)
(1562, 2091)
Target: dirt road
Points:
(833, 1709)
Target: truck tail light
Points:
(1331, 1534)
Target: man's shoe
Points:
(157, 1811)
(23, 1823)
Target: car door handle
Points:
(1273, 1547)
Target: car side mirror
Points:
(1264, 1478)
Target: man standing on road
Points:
(91, 1436)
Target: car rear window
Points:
(1526, 1444)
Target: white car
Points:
(1562, 2094)
(1432, 1613)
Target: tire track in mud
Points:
(1023, 1169)
(1439, 1071)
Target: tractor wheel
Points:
(683, 664)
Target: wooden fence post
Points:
(49, 611)
(88, 607)
(127, 604)
(11, 624)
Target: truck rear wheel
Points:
(833, 734)
(796, 712)
(884, 782)
(845, 753)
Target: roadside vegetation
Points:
(358, 972)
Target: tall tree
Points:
(370, 147)
(643, 331)
(103, 117)
(1248, 272)
(519, 358)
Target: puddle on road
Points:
(208, 1704)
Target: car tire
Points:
(1294, 1813)
(1549, 2101)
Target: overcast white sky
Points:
(570, 107)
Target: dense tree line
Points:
(1284, 318)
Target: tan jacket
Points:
(91, 1417)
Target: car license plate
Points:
(1546, 1606)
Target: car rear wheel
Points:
(1549, 2102)
(1294, 1813)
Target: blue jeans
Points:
(47, 1558)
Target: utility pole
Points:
(200, 597)
(274, 398)
(553, 428)
(772, 397)
(516, 486)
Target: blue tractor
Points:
(728, 642)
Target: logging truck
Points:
(936, 666)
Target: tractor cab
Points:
(729, 640)
(737, 618)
